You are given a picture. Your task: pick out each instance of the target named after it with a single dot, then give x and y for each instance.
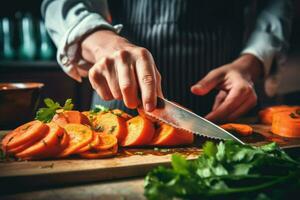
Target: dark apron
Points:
(187, 38)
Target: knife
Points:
(181, 118)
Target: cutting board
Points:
(128, 163)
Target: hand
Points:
(235, 81)
(121, 70)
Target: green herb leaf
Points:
(46, 114)
(68, 105)
(228, 170)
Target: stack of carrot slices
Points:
(284, 120)
(89, 135)
(137, 131)
(69, 133)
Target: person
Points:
(203, 54)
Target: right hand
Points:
(121, 70)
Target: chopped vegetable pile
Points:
(60, 132)
(228, 170)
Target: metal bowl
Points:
(18, 103)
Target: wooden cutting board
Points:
(128, 163)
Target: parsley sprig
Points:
(46, 114)
(228, 170)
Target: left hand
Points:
(235, 81)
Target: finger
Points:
(244, 108)
(219, 99)
(158, 85)
(232, 101)
(209, 82)
(127, 82)
(112, 80)
(147, 80)
(100, 85)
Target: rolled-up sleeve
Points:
(271, 32)
(68, 21)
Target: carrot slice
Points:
(53, 151)
(140, 131)
(167, 135)
(266, 115)
(70, 116)
(25, 133)
(95, 142)
(106, 141)
(41, 146)
(111, 124)
(121, 113)
(286, 124)
(80, 136)
(100, 154)
(22, 147)
(242, 129)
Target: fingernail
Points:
(197, 86)
(149, 107)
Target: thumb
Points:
(209, 82)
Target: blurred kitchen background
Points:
(28, 54)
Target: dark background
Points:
(282, 87)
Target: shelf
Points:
(24, 65)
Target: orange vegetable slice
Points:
(41, 146)
(266, 115)
(167, 135)
(91, 145)
(80, 135)
(100, 154)
(286, 124)
(106, 141)
(242, 129)
(23, 134)
(140, 131)
(12, 151)
(121, 113)
(70, 116)
(111, 124)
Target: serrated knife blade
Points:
(179, 117)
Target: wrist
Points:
(249, 65)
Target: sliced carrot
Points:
(111, 124)
(167, 135)
(25, 133)
(286, 124)
(70, 116)
(12, 151)
(121, 113)
(140, 131)
(60, 119)
(100, 154)
(41, 146)
(95, 142)
(242, 129)
(80, 136)
(266, 115)
(106, 141)
(53, 151)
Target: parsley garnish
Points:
(46, 114)
(228, 170)
(99, 108)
